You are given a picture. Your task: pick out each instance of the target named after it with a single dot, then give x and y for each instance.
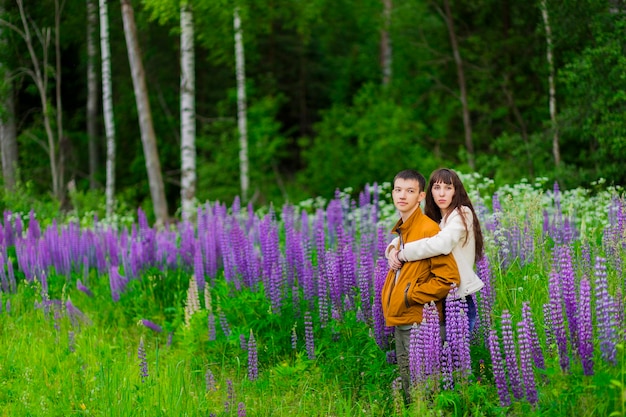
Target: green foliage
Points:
(375, 137)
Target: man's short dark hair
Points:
(411, 174)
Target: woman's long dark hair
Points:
(460, 198)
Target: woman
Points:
(448, 204)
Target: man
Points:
(419, 282)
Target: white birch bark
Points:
(8, 137)
(187, 112)
(241, 107)
(92, 91)
(385, 43)
(148, 137)
(107, 107)
(556, 152)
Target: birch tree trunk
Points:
(58, 9)
(8, 137)
(385, 43)
(92, 91)
(148, 137)
(467, 124)
(187, 111)
(107, 107)
(556, 152)
(241, 107)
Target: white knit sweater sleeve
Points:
(452, 232)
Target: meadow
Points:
(275, 311)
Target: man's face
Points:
(406, 196)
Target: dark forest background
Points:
(322, 116)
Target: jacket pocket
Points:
(406, 295)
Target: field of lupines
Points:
(275, 312)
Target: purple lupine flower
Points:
(380, 332)
(75, 315)
(117, 283)
(525, 353)
(510, 355)
(82, 288)
(333, 277)
(211, 326)
(143, 364)
(253, 358)
(243, 344)
(416, 356)
(71, 341)
(606, 316)
(230, 395)
(151, 325)
(198, 265)
(447, 367)
(498, 368)
(556, 318)
(457, 333)
(585, 327)
(209, 380)
(365, 273)
(241, 410)
(568, 291)
(547, 324)
(308, 335)
(486, 298)
(224, 324)
(532, 336)
(4, 281)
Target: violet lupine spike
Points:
(323, 297)
(525, 353)
(320, 237)
(224, 324)
(198, 266)
(209, 381)
(510, 355)
(211, 326)
(497, 364)
(433, 342)
(151, 325)
(568, 291)
(381, 331)
(333, 277)
(76, 316)
(143, 363)
(547, 324)
(253, 359)
(532, 336)
(309, 339)
(416, 357)
(83, 289)
(606, 314)
(365, 274)
(4, 281)
(556, 317)
(241, 410)
(447, 367)
(457, 334)
(585, 327)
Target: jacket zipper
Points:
(406, 295)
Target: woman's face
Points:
(443, 194)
